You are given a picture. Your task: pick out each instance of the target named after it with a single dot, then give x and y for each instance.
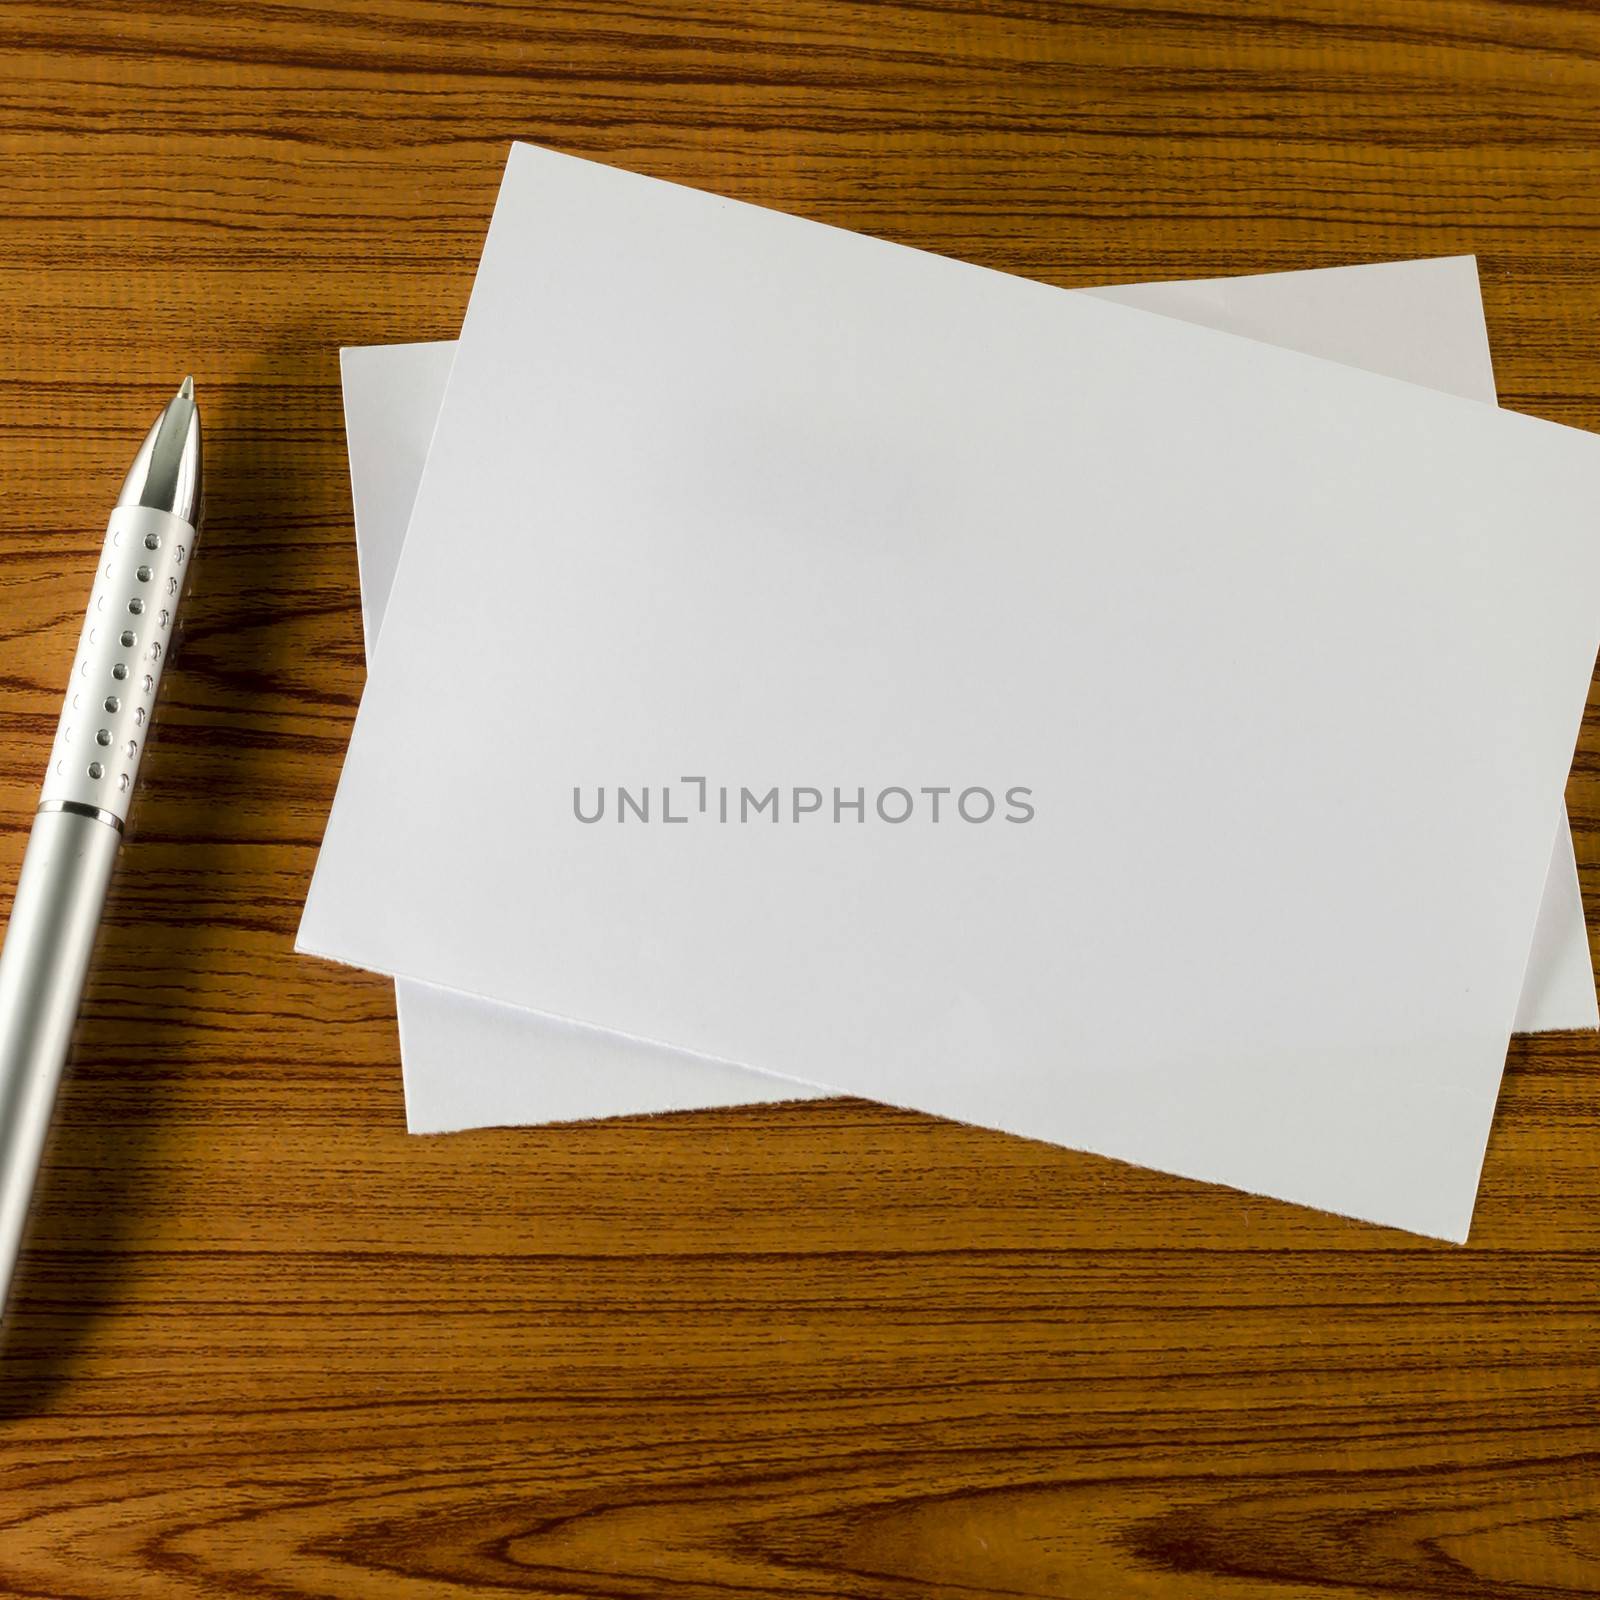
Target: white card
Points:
(1289, 669)
(471, 1063)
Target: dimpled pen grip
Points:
(126, 636)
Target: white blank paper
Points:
(1292, 657)
(471, 1063)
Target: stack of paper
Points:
(1135, 719)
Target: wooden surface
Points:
(265, 1344)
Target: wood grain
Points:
(264, 1344)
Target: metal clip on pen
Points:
(94, 764)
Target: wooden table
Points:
(265, 1344)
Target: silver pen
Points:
(88, 784)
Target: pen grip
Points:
(122, 651)
(54, 918)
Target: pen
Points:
(88, 784)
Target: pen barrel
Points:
(48, 943)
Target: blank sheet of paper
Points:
(472, 1063)
(1291, 658)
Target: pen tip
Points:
(186, 389)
